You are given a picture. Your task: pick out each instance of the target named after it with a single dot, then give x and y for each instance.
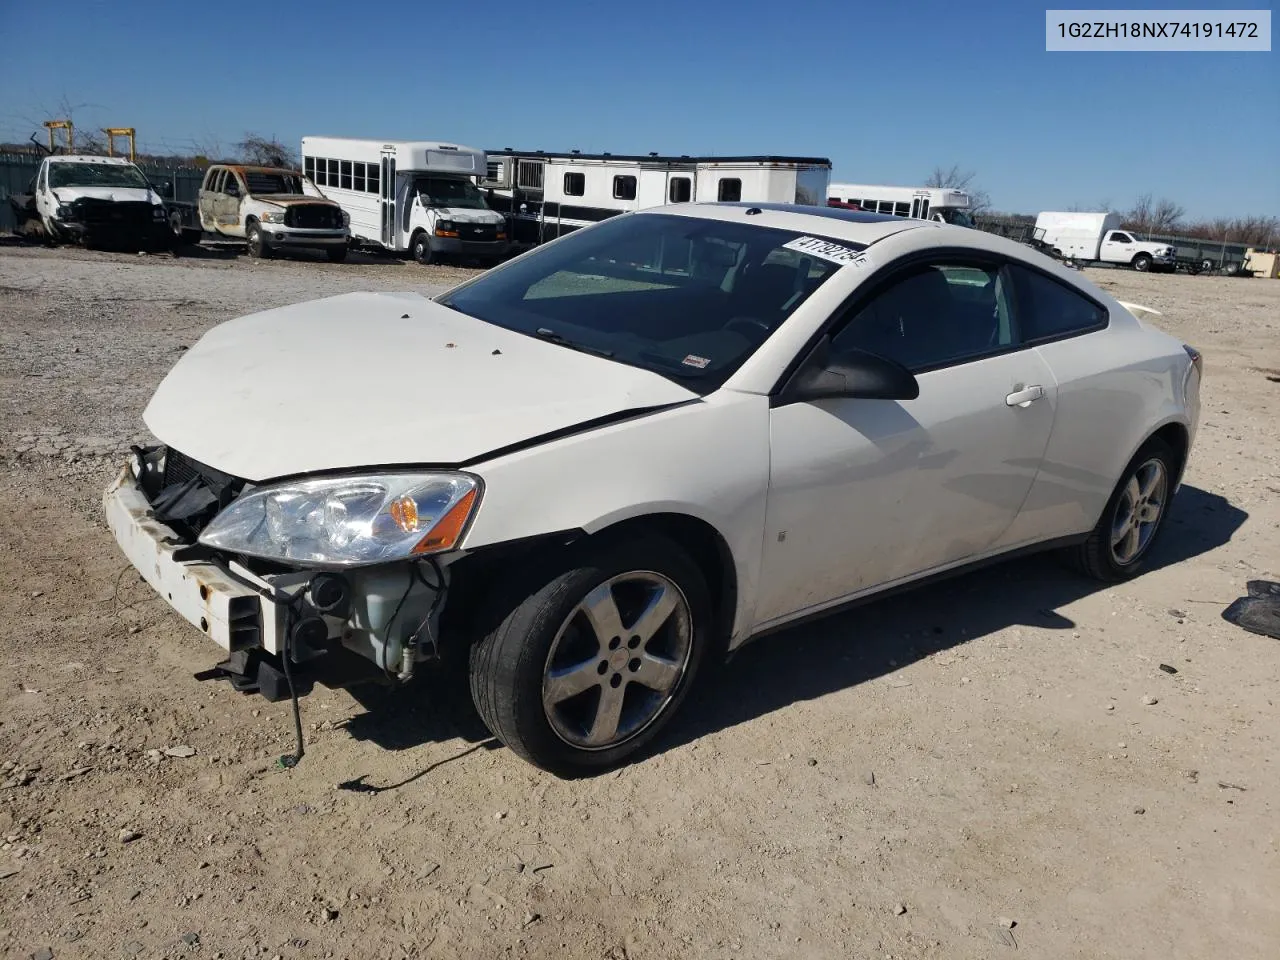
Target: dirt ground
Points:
(904, 781)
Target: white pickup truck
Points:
(99, 200)
(1098, 238)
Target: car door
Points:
(208, 195)
(863, 493)
(227, 205)
(46, 205)
(1118, 247)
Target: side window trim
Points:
(883, 275)
(1068, 334)
(961, 258)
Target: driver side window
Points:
(231, 186)
(934, 315)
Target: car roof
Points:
(89, 158)
(854, 226)
(255, 168)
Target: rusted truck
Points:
(272, 209)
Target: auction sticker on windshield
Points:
(827, 250)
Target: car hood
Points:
(469, 215)
(289, 199)
(374, 379)
(116, 194)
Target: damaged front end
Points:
(296, 582)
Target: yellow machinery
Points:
(112, 133)
(69, 129)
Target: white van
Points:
(409, 196)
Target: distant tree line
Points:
(253, 149)
(1147, 215)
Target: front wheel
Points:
(585, 670)
(1142, 262)
(420, 248)
(1119, 545)
(256, 243)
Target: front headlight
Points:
(348, 521)
(157, 212)
(446, 225)
(273, 216)
(66, 211)
(346, 218)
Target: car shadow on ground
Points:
(828, 654)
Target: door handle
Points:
(1024, 397)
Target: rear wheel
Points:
(420, 248)
(1142, 262)
(255, 241)
(585, 670)
(1119, 545)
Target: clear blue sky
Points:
(887, 90)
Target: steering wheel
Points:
(750, 327)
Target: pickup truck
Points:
(104, 201)
(1097, 238)
(272, 208)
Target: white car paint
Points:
(816, 502)
(450, 388)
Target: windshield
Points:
(688, 298)
(449, 192)
(960, 218)
(263, 181)
(95, 175)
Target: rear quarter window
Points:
(1048, 310)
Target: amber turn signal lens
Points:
(405, 513)
(448, 530)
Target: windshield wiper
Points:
(546, 333)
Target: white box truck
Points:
(1098, 238)
(409, 196)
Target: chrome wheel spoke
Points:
(1133, 491)
(1129, 544)
(1154, 476)
(568, 682)
(604, 729)
(660, 607)
(601, 610)
(1121, 530)
(657, 673)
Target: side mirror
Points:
(854, 374)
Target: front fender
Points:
(708, 460)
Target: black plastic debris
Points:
(1259, 612)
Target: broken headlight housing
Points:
(348, 521)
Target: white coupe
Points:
(633, 449)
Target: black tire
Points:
(254, 240)
(1097, 556)
(175, 226)
(336, 254)
(1233, 269)
(508, 664)
(1142, 262)
(420, 248)
(1206, 266)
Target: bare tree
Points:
(955, 178)
(1154, 216)
(266, 151)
